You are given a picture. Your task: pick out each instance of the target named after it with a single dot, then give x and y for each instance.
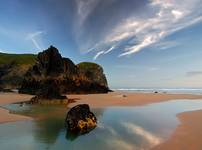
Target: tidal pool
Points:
(120, 128)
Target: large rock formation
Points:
(68, 77)
(80, 120)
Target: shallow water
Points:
(120, 128)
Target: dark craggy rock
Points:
(68, 77)
(50, 91)
(80, 120)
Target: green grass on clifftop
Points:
(21, 59)
(88, 65)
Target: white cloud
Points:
(177, 14)
(33, 38)
(170, 16)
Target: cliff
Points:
(51, 68)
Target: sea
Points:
(197, 91)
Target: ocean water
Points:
(120, 128)
(197, 91)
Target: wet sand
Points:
(126, 99)
(187, 136)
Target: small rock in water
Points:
(80, 119)
(22, 104)
(155, 92)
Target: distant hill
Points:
(13, 68)
(17, 58)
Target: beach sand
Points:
(187, 136)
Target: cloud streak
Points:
(103, 52)
(34, 38)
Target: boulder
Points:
(80, 119)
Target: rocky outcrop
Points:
(66, 76)
(80, 120)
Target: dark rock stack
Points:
(80, 120)
(50, 63)
(68, 77)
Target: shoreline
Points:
(187, 135)
(8, 98)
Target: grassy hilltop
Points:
(20, 59)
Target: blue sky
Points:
(147, 43)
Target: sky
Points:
(139, 43)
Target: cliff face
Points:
(93, 72)
(50, 67)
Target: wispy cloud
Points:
(135, 33)
(153, 69)
(194, 73)
(103, 52)
(84, 8)
(166, 44)
(34, 38)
